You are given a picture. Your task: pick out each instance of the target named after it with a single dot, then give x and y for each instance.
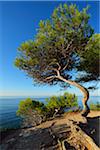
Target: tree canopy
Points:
(89, 63)
(56, 45)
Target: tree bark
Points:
(85, 92)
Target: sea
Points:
(9, 106)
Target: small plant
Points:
(95, 106)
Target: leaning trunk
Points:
(85, 92)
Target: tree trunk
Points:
(85, 92)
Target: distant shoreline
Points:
(39, 96)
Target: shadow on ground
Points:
(92, 128)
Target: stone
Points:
(26, 134)
(11, 140)
(20, 134)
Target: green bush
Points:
(66, 100)
(60, 103)
(32, 112)
(95, 106)
(36, 111)
(24, 107)
(27, 106)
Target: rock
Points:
(93, 131)
(11, 140)
(20, 134)
(26, 134)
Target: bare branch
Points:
(56, 63)
(59, 67)
(58, 73)
(54, 69)
(51, 68)
(66, 65)
(68, 49)
(50, 77)
(69, 44)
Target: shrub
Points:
(31, 111)
(28, 105)
(24, 107)
(60, 103)
(95, 106)
(34, 112)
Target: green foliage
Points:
(71, 99)
(30, 107)
(60, 103)
(24, 107)
(95, 106)
(59, 40)
(90, 60)
(66, 100)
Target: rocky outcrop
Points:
(63, 133)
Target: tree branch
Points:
(69, 44)
(59, 67)
(50, 77)
(54, 76)
(66, 65)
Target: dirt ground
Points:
(46, 135)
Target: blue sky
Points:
(19, 21)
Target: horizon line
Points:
(38, 96)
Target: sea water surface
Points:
(9, 106)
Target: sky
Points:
(18, 23)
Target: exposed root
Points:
(73, 138)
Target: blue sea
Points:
(9, 106)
